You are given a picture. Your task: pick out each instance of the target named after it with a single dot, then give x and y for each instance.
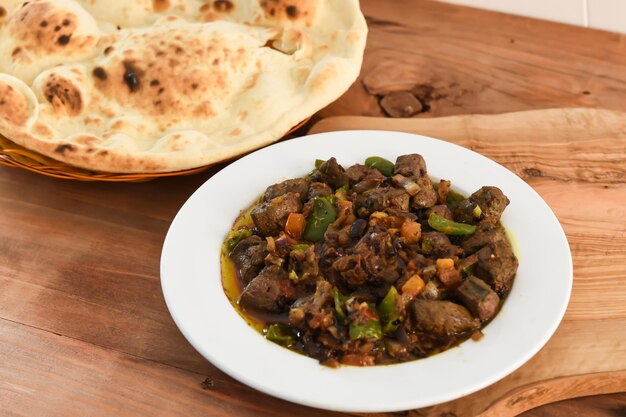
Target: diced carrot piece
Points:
(413, 286)
(295, 225)
(445, 264)
(411, 231)
(446, 272)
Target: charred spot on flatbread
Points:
(44, 29)
(63, 95)
(290, 10)
(14, 107)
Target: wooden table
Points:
(84, 330)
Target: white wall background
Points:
(599, 14)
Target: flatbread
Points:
(166, 85)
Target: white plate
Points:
(191, 282)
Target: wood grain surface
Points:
(458, 60)
(84, 329)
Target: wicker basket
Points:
(14, 155)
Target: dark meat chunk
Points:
(270, 291)
(305, 263)
(371, 292)
(379, 199)
(351, 269)
(441, 318)
(396, 349)
(338, 233)
(307, 208)
(378, 255)
(414, 262)
(297, 185)
(331, 173)
(438, 244)
(319, 189)
(441, 210)
(374, 261)
(328, 255)
(485, 234)
(248, 257)
(478, 297)
(367, 184)
(357, 173)
(315, 309)
(412, 165)
(426, 196)
(497, 265)
(491, 201)
(464, 212)
(357, 229)
(270, 216)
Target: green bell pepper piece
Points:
(280, 334)
(324, 214)
(384, 166)
(449, 227)
(369, 330)
(388, 313)
(339, 302)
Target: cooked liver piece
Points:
(268, 291)
(381, 198)
(491, 201)
(248, 257)
(426, 197)
(318, 189)
(441, 318)
(497, 265)
(439, 244)
(478, 297)
(270, 216)
(412, 165)
(297, 185)
(486, 233)
(464, 212)
(357, 173)
(331, 173)
(441, 210)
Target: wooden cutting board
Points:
(576, 160)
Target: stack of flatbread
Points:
(166, 85)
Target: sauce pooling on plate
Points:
(373, 264)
